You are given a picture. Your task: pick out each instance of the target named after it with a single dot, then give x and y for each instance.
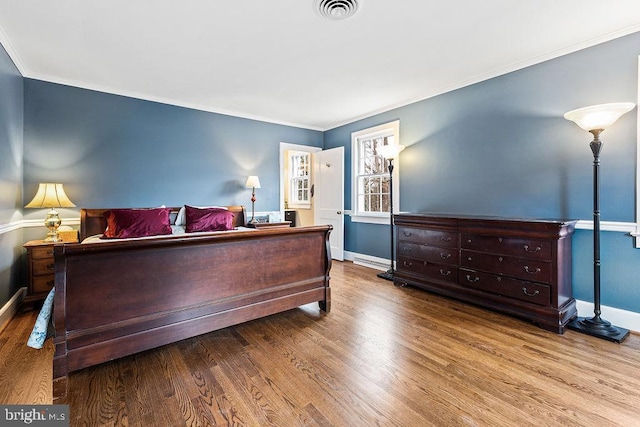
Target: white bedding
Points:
(176, 230)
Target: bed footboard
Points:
(117, 299)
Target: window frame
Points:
(357, 212)
(293, 179)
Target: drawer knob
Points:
(51, 266)
(407, 264)
(406, 233)
(472, 279)
(537, 249)
(500, 259)
(445, 272)
(524, 290)
(531, 271)
(445, 239)
(445, 256)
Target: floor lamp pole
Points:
(596, 326)
(390, 273)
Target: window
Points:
(299, 179)
(370, 173)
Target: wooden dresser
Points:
(518, 267)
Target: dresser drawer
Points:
(445, 239)
(523, 290)
(429, 253)
(428, 269)
(42, 266)
(527, 269)
(522, 248)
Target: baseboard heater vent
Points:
(366, 262)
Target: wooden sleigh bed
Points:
(117, 298)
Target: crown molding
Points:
(11, 51)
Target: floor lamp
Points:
(596, 119)
(390, 152)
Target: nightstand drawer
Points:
(42, 266)
(42, 283)
(42, 252)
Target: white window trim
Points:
(284, 147)
(374, 217)
(299, 204)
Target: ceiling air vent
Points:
(337, 9)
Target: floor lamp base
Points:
(599, 328)
(387, 275)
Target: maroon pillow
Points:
(208, 219)
(124, 223)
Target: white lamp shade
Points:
(253, 182)
(50, 195)
(390, 151)
(599, 116)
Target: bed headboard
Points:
(92, 221)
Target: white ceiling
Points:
(279, 61)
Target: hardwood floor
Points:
(383, 356)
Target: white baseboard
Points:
(11, 308)
(623, 318)
(367, 261)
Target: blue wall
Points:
(501, 147)
(111, 150)
(11, 122)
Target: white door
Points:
(328, 199)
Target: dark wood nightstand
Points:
(40, 270)
(283, 224)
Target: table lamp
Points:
(51, 195)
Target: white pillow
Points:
(178, 229)
(181, 219)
